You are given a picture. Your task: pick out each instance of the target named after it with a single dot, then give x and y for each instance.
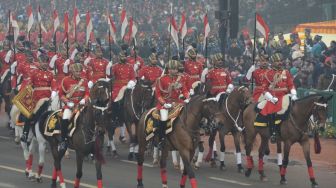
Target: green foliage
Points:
(329, 132)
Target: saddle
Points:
(153, 115)
(53, 123)
(262, 121)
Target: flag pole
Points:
(254, 47)
(170, 28)
(75, 25)
(109, 30)
(40, 28)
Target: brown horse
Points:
(293, 129)
(184, 138)
(326, 83)
(5, 93)
(88, 136)
(137, 100)
(232, 106)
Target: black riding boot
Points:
(162, 134)
(271, 124)
(26, 128)
(64, 133)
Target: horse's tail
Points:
(317, 143)
(98, 150)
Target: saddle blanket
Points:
(153, 115)
(53, 124)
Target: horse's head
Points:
(320, 111)
(240, 96)
(100, 96)
(144, 93)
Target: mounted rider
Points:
(168, 89)
(152, 71)
(98, 67)
(258, 75)
(124, 78)
(193, 68)
(280, 84)
(41, 80)
(218, 77)
(73, 92)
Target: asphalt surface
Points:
(120, 173)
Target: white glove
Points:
(108, 68)
(274, 100)
(8, 56)
(229, 88)
(143, 78)
(203, 75)
(268, 96)
(70, 104)
(13, 67)
(53, 94)
(52, 61)
(136, 66)
(82, 102)
(249, 72)
(87, 61)
(66, 66)
(191, 92)
(130, 84)
(167, 105)
(90, 84)
(186, 100)
(294, 94)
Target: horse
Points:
(184, 137)
(137, 100)
(293, 129)
(5, 94)
(326, 82)
(88, 137)
(232, 106)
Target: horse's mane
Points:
(308, 97)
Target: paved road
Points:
(119, 173)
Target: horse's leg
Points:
(155, 155)
(42, 148)
(249, 139)
(236, 137)
(163, 164)
(79, 173)
(306, 151)
(186, 157)
(279, 153)
(183, 179)
(140, 159)
(174, 158)
(57, 172)
(222, 149)
(211, 143)
(99, 173)
(111, 141)
(263, 146)
(199, 155)
(287, 147)
(132, 142)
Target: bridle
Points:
(147, 87)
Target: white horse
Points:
(28, 149)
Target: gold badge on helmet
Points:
(173, 64)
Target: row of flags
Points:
(173, 28)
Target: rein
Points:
(234, 120)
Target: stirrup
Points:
(63, 146)
(24, 138)
(273, 139)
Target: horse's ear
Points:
(329, 98)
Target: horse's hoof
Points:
(62, 185)
(53, 185)
(176, 166)
(164, 186)
(283, 182)
(213, 164)
(240, 169)
(122, 139)
(31, 177)
(314, 185)
(26, 174)
(140, 186)
(155, 162)
(248, 172)
(222, 167)
(197, 167)
(39, 179)
(131, 156)
(263, 178)
(115, 155)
